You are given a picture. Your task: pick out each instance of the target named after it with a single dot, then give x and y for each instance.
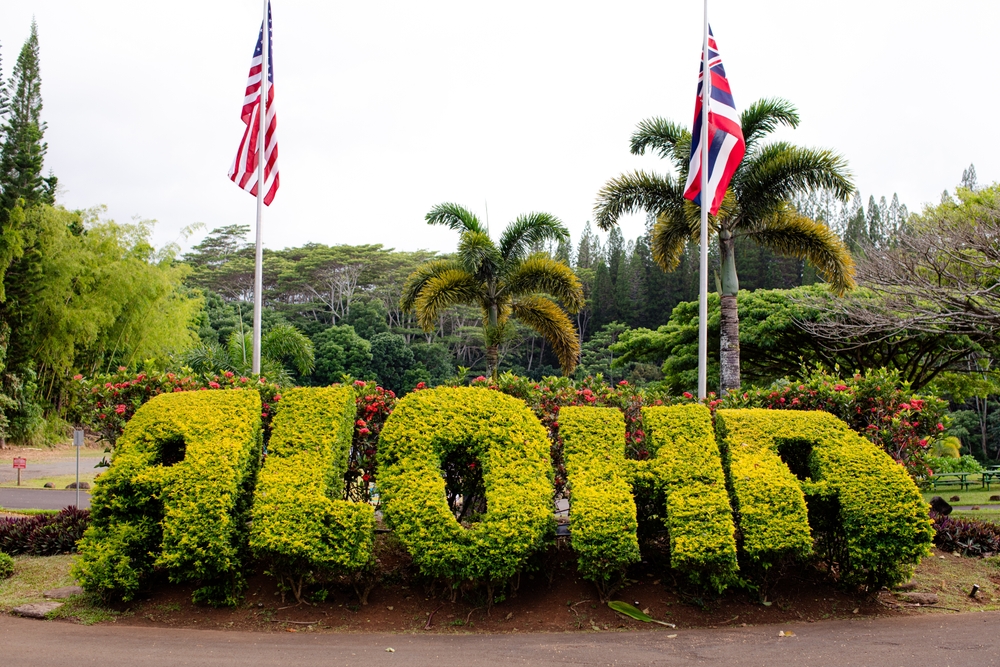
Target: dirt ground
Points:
(567, 603)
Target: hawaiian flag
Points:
(244, 170)
(725, 136)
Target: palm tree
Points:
(283, 350)
(505, 280)
(756, 207)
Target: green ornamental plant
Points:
(302, 526)
(176, 498)
(509, 447)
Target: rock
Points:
(939, 505)
(39, 610)
(63, 593)
(49, 485)
(908, 586)
(83, 485)
(919, 598)
(954, 499)
(995, 499)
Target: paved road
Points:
(52, 468)
(938, 639)
(41, 499)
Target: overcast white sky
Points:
(387, 108)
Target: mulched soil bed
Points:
(566, 603)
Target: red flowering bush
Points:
(375, 404)
(105, 403)
(879, 406)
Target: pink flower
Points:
(940, 426)
(244, 379)
(360, 422)
(277, 397)
(77, 377)
(228, 374)
(420, 385)
(363, 431)
(923, 442)
(840, 387)
(122, 369)
(623, 383)
(120, 409)
(904, 406)
(213, 385)
(263, 415)
(687, 394)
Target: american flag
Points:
(725, 136)
(244, 169)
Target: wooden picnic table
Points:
(948, 478)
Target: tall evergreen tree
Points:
(23, 152)
(4, 95)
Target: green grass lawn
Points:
(33, 575)
(58, 481)
(970, 497)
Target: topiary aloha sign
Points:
(758, 487)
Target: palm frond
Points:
(288, 345)
(764, 116)
(671, 234)
(416, 281)
(454, 217)
(780, 170)
(449, 288)
(670, 140)
(792, 235)
(239, 348)
(478, 254)
(554, 325)
(541, 273)
(637, 191)
(527, 230)
(207, 359)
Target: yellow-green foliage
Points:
(769, 502)
(685, 468)
(603, 516)
(513, 450)
(188, 518)
(869, 512)
(301, 523)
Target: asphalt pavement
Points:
(41, 499)
(935, 639)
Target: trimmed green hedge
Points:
(176, 497)
(685, 468)
(513, 450)
(768, 499)
(301, 522)
(867, 513)
(603, 515)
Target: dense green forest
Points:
(84, 295)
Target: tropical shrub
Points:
(373, 406)
(685, 471)
(6, 566)
(970, 537)
(105, 403)
(479, 437)
(603, 520)
(948, 464)
(878, 405)
(301, 524)
(865, 511)
(176, 497)
(43, 534)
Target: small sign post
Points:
(20, 464)
(78, 443)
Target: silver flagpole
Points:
(258, 279)
(706, 203)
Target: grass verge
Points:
(33, 575)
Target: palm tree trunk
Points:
(729, 322)
(492, 346)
